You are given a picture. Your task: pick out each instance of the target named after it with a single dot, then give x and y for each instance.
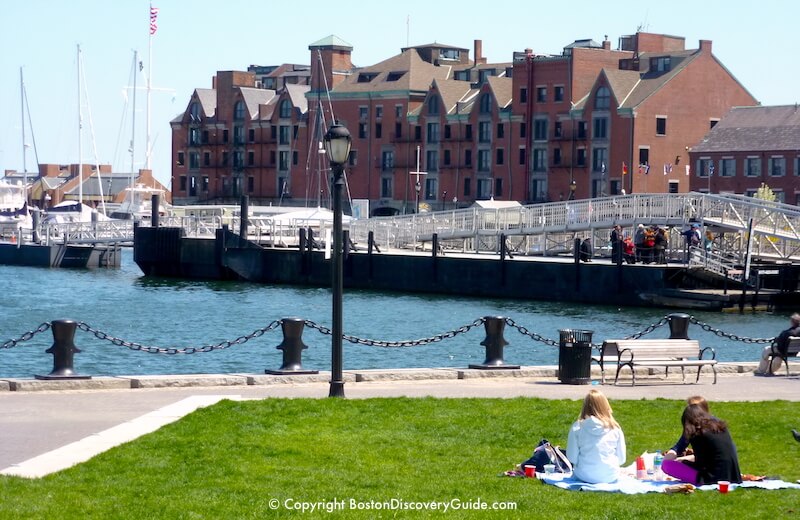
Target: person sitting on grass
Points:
(596, 443)
(679, 449)
(714, 454)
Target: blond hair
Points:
(595, 404)
(700, 401)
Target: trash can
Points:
(575, 356)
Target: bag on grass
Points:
(546, 453)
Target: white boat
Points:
(72, 212)
(138, 204)
(14, 211)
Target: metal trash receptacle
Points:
(575, 356)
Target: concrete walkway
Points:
(51, 425)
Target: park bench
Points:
(667, 353)
(792, 350)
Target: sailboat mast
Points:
(80, 130)
(133, 119)
(153, 27)
(22, 113)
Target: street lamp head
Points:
(417, 186)
(572, 185)
(337, 144)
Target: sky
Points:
(196, 38)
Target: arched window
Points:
(433, 106)
(194, 111)
(602, 99)
(238, 111)
(486, 103)
(286, 109)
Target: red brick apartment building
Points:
(749, 147)
(587, 122)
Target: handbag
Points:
(546, 453)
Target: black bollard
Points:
(494, 344)
(292, 348)
(678, 325)
(63, 349)
(155, 204)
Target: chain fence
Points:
(27, 336)
(728, 335)
(398, 344)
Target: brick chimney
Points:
(606, 43)
(479, 59)
(705, 46)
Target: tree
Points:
(765, 193)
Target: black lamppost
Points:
(572, 187)
(337, 146)
(417, 188)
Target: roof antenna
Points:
(408, 30)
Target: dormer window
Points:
(433, 106)
(238, 111)
(194, 111)
(602, 99)
(450, 54)
(366, 77)
(286, 109)
(394, 76)
(486, 103)
(462, 75)
(660, 64)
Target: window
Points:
(486, 103)
(523, 129)
(661, 126)
(387, 160)
(556, 156)
(378, 130)
(204, 137)
(181, 159)
(557, 129)
(238, 111)
(539, 159)
(499, 156)
(378, 112)
(395, 76)
(484, 188)
(599, 159)
(541, 94)
(362, 130)
(602, 99)
(522, 156)
(615, 187)
(272, 157)
(644, 155)
(295, 157)
(712, 123)
(273, 132)
(224, 158)
(238, 159)
(777, 166)
(797, 166)
(468, 132)
(540, 129)
(194, 160)
(192, 186)
(498, 187)
(600, 128)
(251, 158)
(362, 113)
(283, 134)
(484, 160)
(432, 160)
(386, 187)
(398, 130)
(204, 183)
(417, 133)
(501, 130)
(225, 136)
(194, 136)
(727, 167)
(286, 109)
(447, 157)
(251, 135)
(430, 188)
(752, 167)
(398, 111)
(467, 157)
(251, 184)
(194, 111)
(523, 95)
(183, 183)
(705, 167)
(449, 54)
(582, 129)
(447, 132)
(283, 161)
(352, 159)
(238, 135)
(462, 75)
(467, 187)
(558, 94)
(433, 105)
(673, 187)
(484, 132)
(580, 159)
(206, 159)
(660, 64)
(433, 132)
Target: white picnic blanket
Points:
(631, 486)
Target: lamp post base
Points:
(336, 389)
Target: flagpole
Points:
(153, 13)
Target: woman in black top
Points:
(714, 457)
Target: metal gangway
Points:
(550, 228)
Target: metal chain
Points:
(26, 337)
(708, 328)
(188, 350)
(536, 337)
(394, 344)
(650, 328)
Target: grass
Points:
(230, 460)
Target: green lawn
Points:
(236, 459)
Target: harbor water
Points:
(179, 314)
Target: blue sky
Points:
(195, 38)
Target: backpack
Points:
(545, 453)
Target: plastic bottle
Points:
(657, 461)
(641, 470)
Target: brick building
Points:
(587, 122)
(749, 147)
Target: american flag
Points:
(153, 18)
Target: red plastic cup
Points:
(530, 471)
(723, 486)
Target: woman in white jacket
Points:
(596, 444)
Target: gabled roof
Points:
(208, 100)
(253, 97)
(297, 93)
(384, 76)
(651, 81)
(503, 89)
(453, 92)
(331, 41)
(744, 129)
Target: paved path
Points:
(45, 431)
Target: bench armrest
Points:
(707, 349)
